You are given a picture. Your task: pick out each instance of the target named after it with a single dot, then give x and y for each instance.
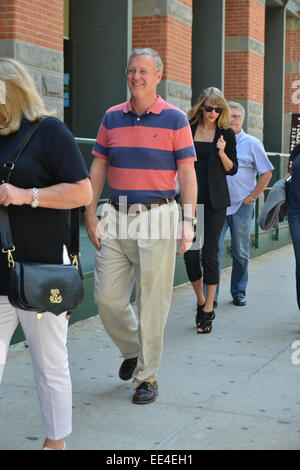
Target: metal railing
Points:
(277, 174)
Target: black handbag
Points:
(41, 287)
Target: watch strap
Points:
(193, 220)
(35, 200)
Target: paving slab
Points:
(236, 388)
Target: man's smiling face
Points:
(143, 77)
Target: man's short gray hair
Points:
(236, 105)
(159, 66)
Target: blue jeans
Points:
(294, 223)
(239, 225)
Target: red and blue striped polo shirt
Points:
(144, 151)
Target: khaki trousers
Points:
(138, 249)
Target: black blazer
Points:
(217, 184)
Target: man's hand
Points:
(261, 185)
(91, 224)
(186, 236)
(248, 201)
(188, 192)
(10, 194)
(98, 172)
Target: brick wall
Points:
(150, 31)
(245, 18)
(36, 21)
(173, 41)
(244, 73)
(244, 59)
(171, 35)
(31, 31)
(292, 60)
(244, 69)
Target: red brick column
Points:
(32, 32)
(171, 35)
(244, 58)
(36, 21)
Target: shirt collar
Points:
(156, 108)
(239, 135)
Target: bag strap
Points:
(5, 229)
(74, 252)
(6, 170)
(9, 166)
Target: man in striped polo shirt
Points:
(143, 145)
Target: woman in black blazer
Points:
(216, 157)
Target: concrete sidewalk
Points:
(236, 388)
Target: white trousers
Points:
(47, 341)
(149, 262)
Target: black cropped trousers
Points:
(213, 224)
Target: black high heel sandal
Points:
(205, 323)
(199, 314)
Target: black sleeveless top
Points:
(201, 168)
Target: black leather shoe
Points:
(127, 368)
(239, 301)
(145, 393)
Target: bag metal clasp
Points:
(11, 263)
(75, 260)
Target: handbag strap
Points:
(9, 165)
(5, 229)
(5, 173)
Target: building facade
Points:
(248, 48)
(77, 53)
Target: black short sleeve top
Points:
(51, 157)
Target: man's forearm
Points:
(261, 185)
(188, 193)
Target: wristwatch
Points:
(35, 200)
(193, 220)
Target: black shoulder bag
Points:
(41, 287)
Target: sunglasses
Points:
(209, 109)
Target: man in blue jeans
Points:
(244, 189)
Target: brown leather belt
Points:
(140, 207)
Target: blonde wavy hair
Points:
(216, 97)
(19, 97)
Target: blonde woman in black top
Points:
(216, 157)
(53, 166)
